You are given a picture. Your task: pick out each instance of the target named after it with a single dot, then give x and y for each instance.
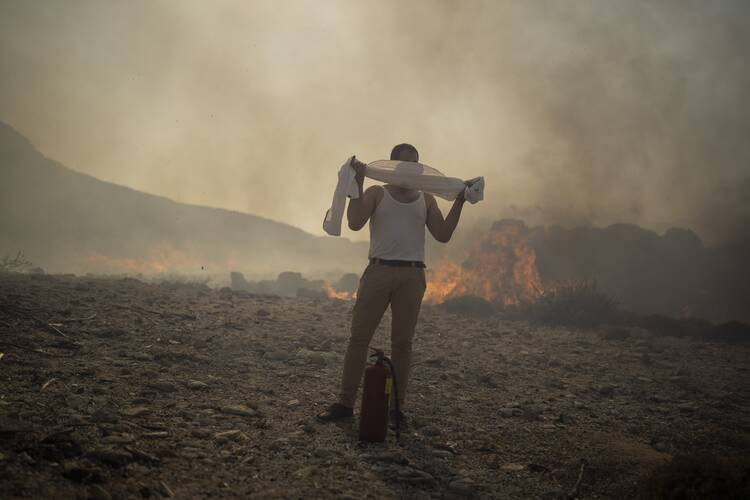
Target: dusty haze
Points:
(585, 112)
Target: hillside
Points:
(67, 221)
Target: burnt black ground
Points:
(119, 388)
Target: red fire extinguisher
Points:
(376, 394)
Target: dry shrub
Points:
(664, 326)
(175, 280)
(469, 305)
(15, 264)
(579, 304)
(698, 476)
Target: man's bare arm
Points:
(359, 210)
(442, 229)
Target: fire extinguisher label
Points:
(388, 385)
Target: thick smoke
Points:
(576, 112)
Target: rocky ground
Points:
(121, 389)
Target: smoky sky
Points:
(575, 112)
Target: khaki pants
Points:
(381, 285)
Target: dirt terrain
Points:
(115, 388)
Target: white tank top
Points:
(397, 229)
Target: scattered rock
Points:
(142, 455)
(430, 431)
(506, 412)
(232, 435)
(60, 445)
(564, 419)
(197, 385)
(606, 390)
(96, 492)
(278, 444)
(111, 333)
(277, 355)
(104, 415)
(162, 386)
(305, 472)
(82, 474)
(118, 439)
(240, 410)
(537, 468)
(487, 380)
(660, 447)
(323, 452)
(687, 407)
(312, 357)
(135, 411)
(436, 362)
(156, 435)
(386, 456)
(449, 446)
(200, 433)
(412, 475)
(112, 456)
(441, 453)
(25, 458)
(463, 487)
(513, 467)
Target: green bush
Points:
(579, 304)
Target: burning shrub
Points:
(578, 304)
(348, 283)
(500, 268)
(699, 476)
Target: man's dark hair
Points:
(396, 151)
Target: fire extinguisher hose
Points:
(395, 396)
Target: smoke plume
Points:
(575, 112)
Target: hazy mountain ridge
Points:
(71, 222)
(64, 220)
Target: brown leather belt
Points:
(399, 263)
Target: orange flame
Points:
(161, 258)
(500, 268)
(335, 294)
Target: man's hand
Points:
(359, 168)
(462, 195)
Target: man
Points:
(395, 276)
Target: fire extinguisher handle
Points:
(377, 353)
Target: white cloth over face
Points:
(412, 175)
(406, 174)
